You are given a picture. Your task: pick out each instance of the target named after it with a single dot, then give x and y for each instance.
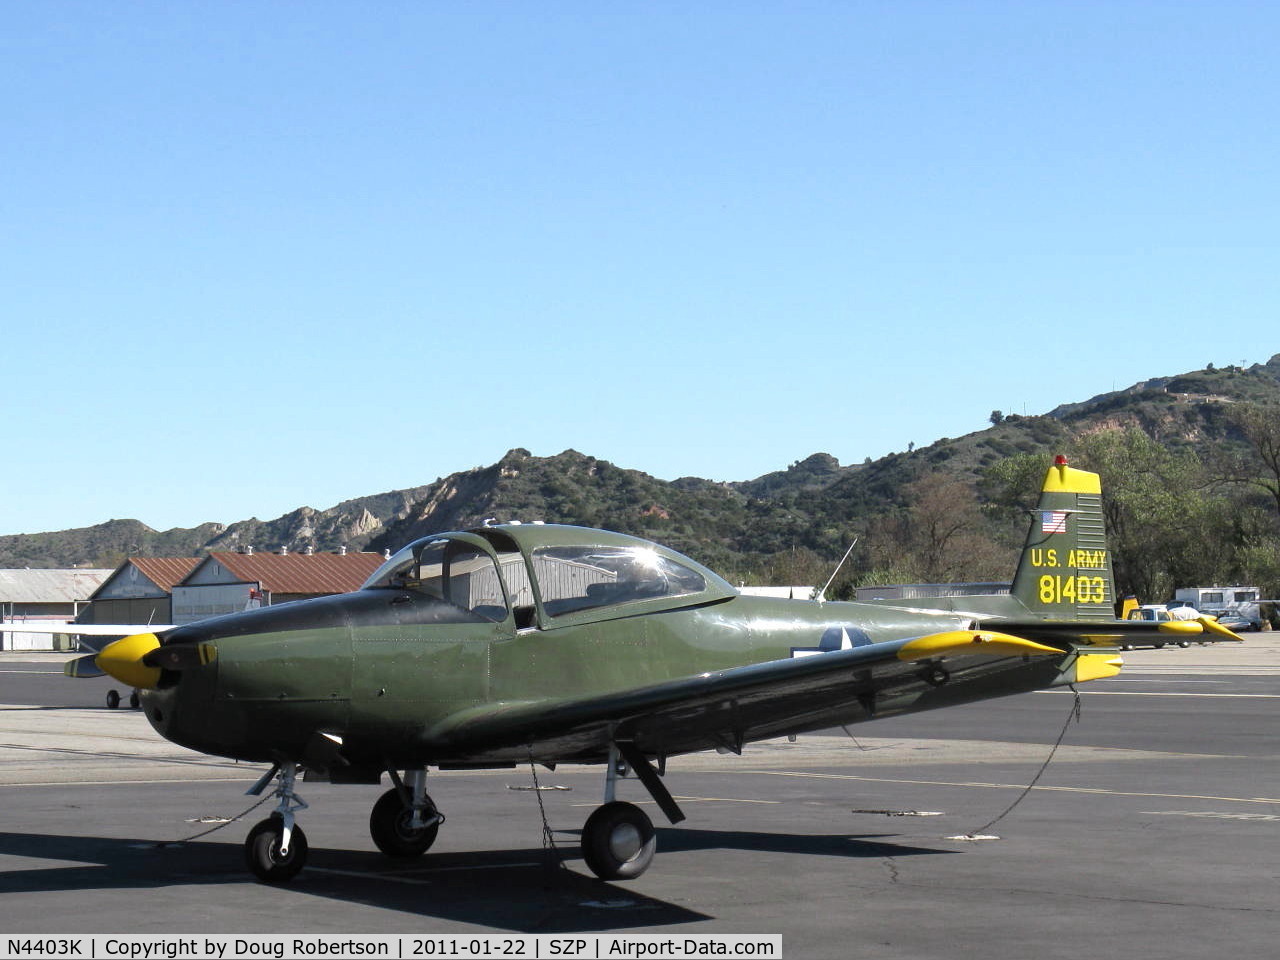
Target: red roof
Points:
(317, 573)
(165, 572)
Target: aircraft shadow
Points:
(860, 846)
(529, 891)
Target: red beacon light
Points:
(1059, 461)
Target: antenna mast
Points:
(822, 594)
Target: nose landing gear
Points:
(276, 849)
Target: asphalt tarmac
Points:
(1154, 831)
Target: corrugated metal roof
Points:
(315, 573)
(165, 572)
(50, 586)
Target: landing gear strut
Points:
(276, 849)
(618, 839)
(404, 822)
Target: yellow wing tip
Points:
(1198, 626)
(1211, 625)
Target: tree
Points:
(938, 536)
(1259, 467)
(1165, 526)
(996, 417)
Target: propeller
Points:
(85, 668)
(123, 660)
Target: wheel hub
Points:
(625, 841)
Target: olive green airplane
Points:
(537, 643)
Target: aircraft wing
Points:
(728, 708)
(1113, 633)
(83, 629)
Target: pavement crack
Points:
(891, 865)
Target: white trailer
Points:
(1223, 601)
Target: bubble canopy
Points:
(565, 573)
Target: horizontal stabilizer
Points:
(1094, 666)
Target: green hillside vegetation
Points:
(1190, 467)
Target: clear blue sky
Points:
(256, 255)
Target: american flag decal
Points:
(1053, 521)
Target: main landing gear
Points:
(113, 699)
(618, 839)
(404, 822)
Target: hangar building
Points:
(230, 582)
(43, 595)
(140, 590)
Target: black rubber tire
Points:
(113, 699)
(389, 827)
(135, 701)
(618, 841)
(262, 851)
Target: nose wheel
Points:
(276, 849)
(267, 856)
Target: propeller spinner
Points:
(122, 660)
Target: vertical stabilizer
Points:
(1065, 570)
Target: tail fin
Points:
(1065, 569)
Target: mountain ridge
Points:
(815, 504)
